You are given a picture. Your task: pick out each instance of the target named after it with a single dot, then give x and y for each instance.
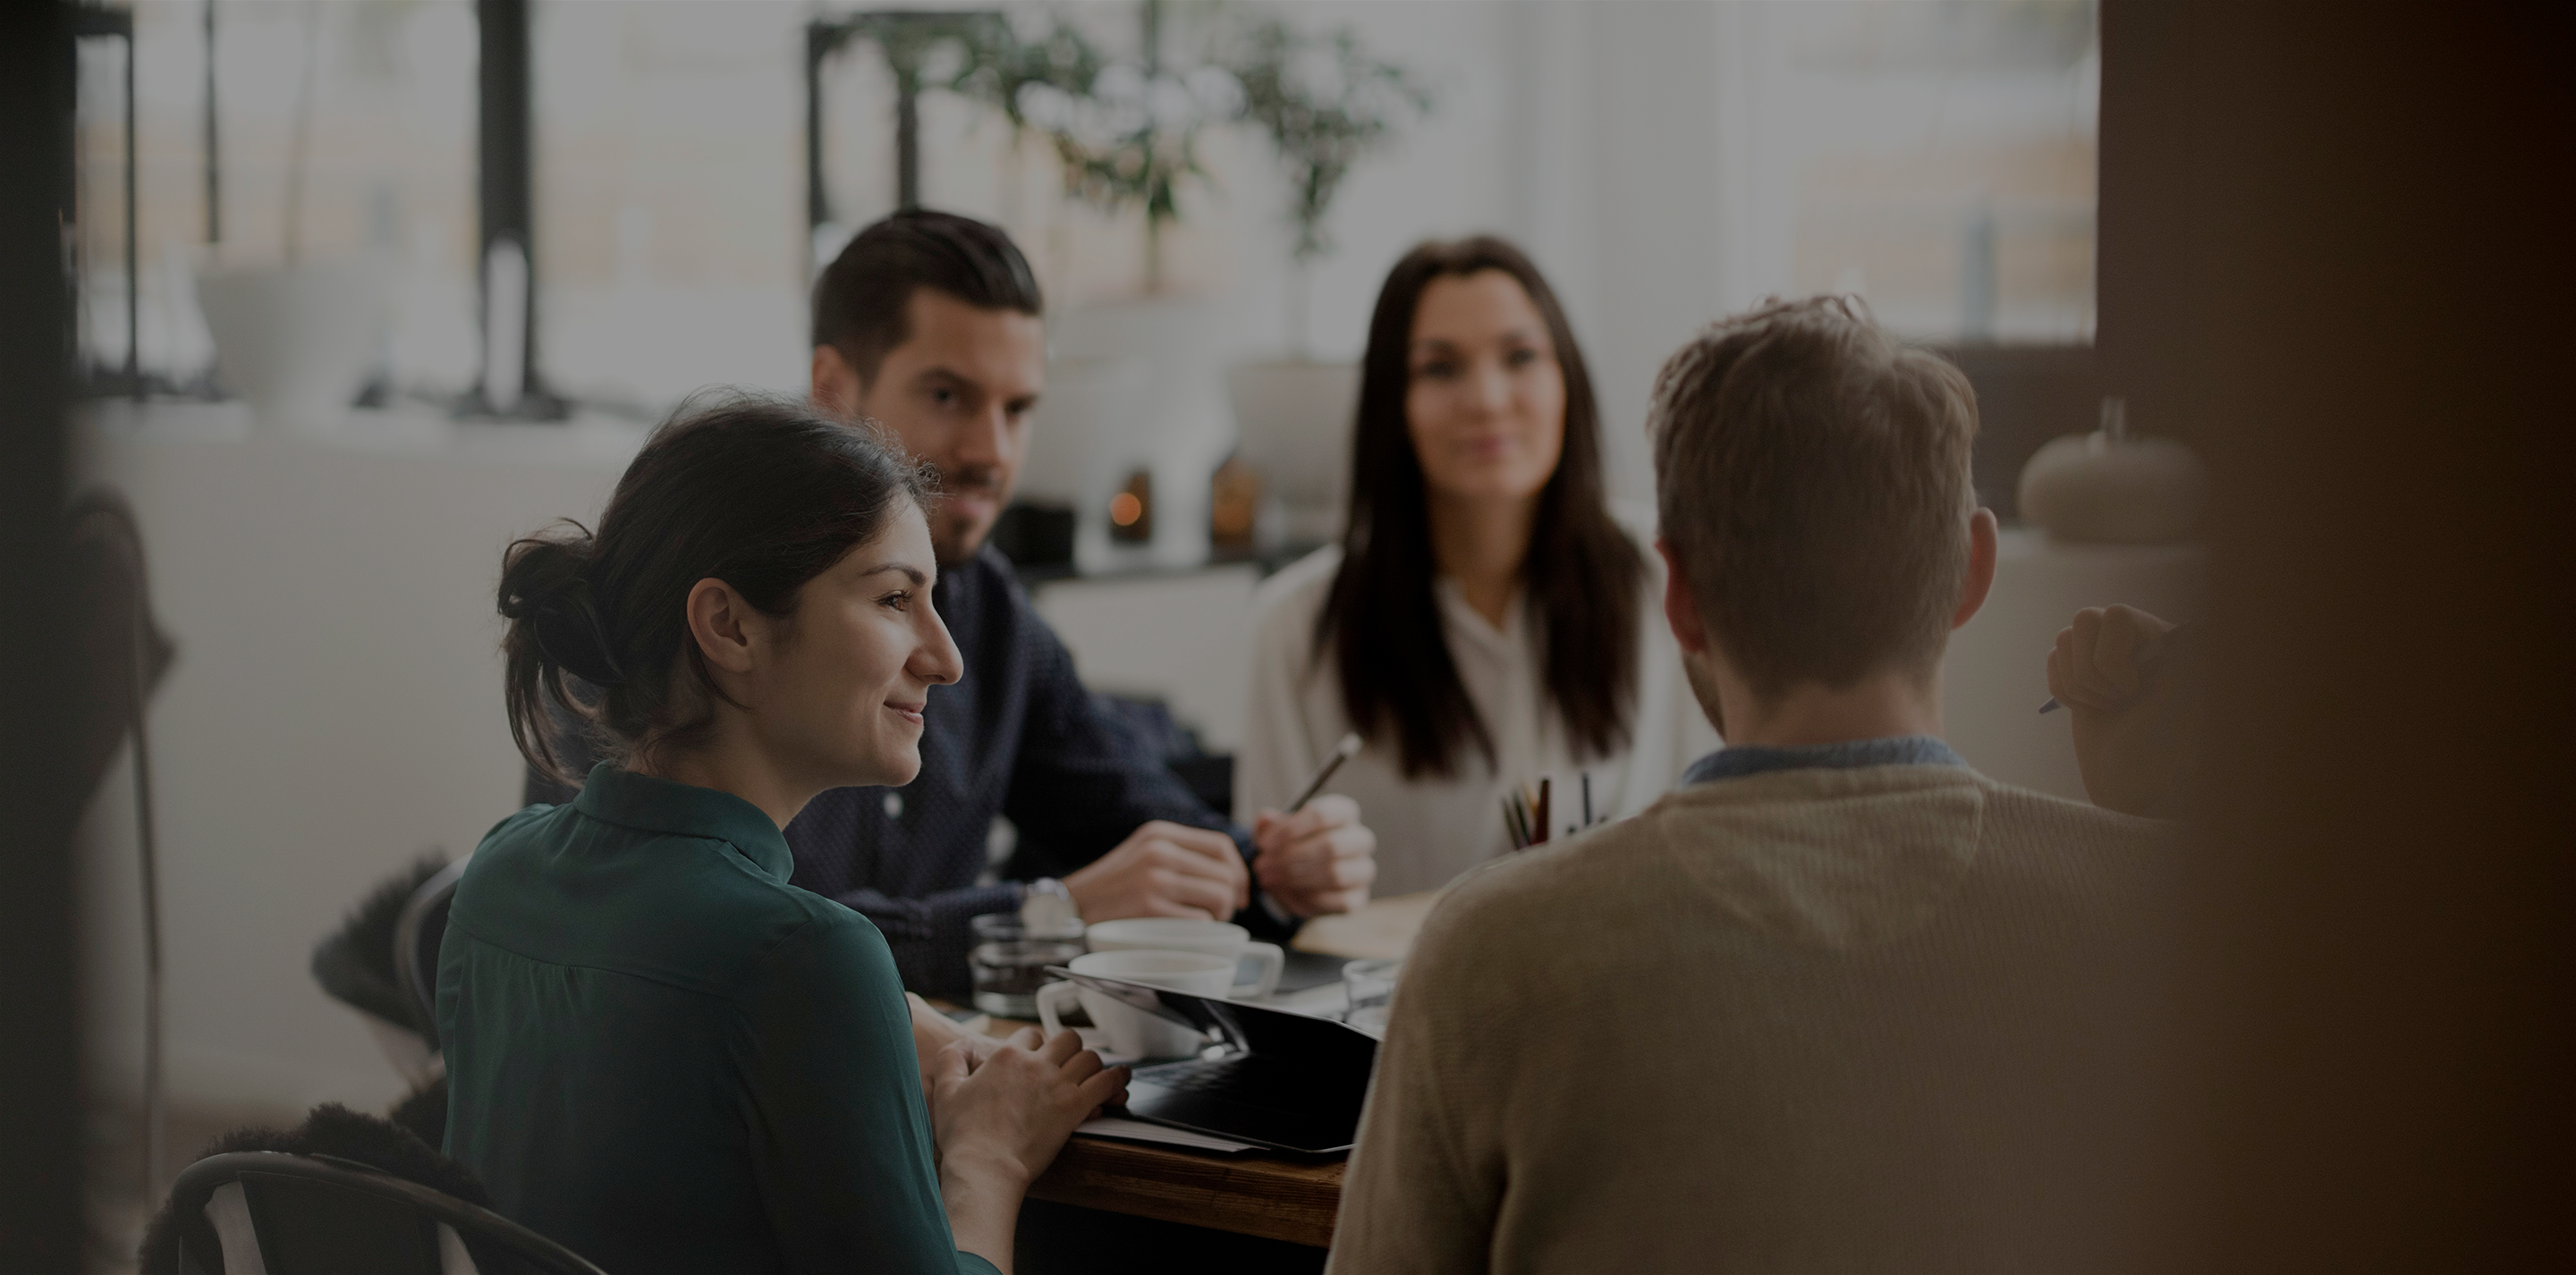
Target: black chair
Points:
(417, 934)
(317, 1215)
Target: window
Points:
(387, 94)
(1939, 158)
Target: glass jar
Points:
(1010, 958)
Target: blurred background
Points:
(365, 288)
(1665, 162)
(1936, 158)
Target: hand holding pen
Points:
(2127, 675)
(1316, 857)
(2106, 657)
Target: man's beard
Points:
(956, 536)
(955, 539)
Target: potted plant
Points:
(1126, 134)
(1325, 103)
(296, 340)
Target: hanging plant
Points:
(1132, 139)
(1126, 133)
(997, 65)
(1326, 104)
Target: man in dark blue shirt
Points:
(932, 325)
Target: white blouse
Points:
(1431, 829)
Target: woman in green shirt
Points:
(659, 1052)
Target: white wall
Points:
(334, 710)
(1183, 638)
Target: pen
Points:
(1342, 752)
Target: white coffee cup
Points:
(1132, 1031)
(1181, 934)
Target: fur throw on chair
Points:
(424, 1113)
(355, 963)
(341, 1134)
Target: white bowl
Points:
(295, 342)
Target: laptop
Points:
(1271, 1077)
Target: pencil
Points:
(1348, 748)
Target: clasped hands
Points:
(1317, 861)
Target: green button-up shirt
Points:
(662, 1055)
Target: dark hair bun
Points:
(546, 593)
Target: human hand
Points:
(1317, 861)
(933, 1032)
(1000, 1120)
(2116, 671)
(1164, 869)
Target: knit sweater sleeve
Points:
(1424, 1187)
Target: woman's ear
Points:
(722, 625)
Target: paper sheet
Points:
(1139, 1131)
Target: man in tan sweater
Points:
(1837, 1003)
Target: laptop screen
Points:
(1280, 1079)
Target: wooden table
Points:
(1275, 1196)
(1278, 1197)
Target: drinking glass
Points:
(1010, 958)
(1371, 986)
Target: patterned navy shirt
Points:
(1017, 735)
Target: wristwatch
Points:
(1045, 905)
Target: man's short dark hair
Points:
(1811, 474)
(859, 301)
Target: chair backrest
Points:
(417, 934)
(268, 1213)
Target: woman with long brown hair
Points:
(1484, 621)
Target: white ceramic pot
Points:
(2111, 487)
(295, 342)
(1180, 432)
(1292, 422)
(1085, 428)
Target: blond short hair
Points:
(1812, 478)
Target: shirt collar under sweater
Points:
(1850, 754)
